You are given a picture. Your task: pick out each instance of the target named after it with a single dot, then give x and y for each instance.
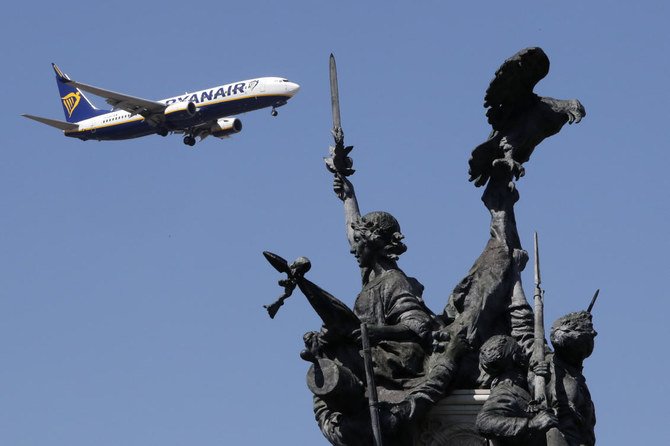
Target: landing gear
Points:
(189, 140)
(274, 112)
(162, 132)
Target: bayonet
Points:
(593, 301)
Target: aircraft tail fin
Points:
(76, 106)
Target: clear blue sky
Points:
(132, 277)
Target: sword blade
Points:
(334, 94)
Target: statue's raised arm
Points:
(345, 191)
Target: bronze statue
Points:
(414, 357)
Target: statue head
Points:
(499, 354)
(377, 237)
(572, 337)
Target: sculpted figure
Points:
(413, 357)
(489, 300)
(572, 337)
(417, 356)
(508, 417)
(401, 330)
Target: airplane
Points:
(199, 114)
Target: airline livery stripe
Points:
(111, 124)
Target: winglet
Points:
(59, 74)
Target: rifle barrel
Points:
(538, 344)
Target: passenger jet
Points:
(199, 114)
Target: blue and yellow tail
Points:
(75, 105)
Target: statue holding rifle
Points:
(556, 409)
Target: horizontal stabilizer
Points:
(53, 122)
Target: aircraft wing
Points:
(130, 104)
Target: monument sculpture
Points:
(379, 369)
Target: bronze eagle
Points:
(520, 119)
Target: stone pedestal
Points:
(452, 421)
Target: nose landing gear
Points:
(274, 112)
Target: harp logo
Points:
(70, 102)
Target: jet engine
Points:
(180, 111)
(225, 127)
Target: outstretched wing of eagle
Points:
(520, 119)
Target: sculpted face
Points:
(585, 340)
(363, 250)
(573, 337)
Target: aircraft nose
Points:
(292, 88)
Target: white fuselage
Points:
(211, 104)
